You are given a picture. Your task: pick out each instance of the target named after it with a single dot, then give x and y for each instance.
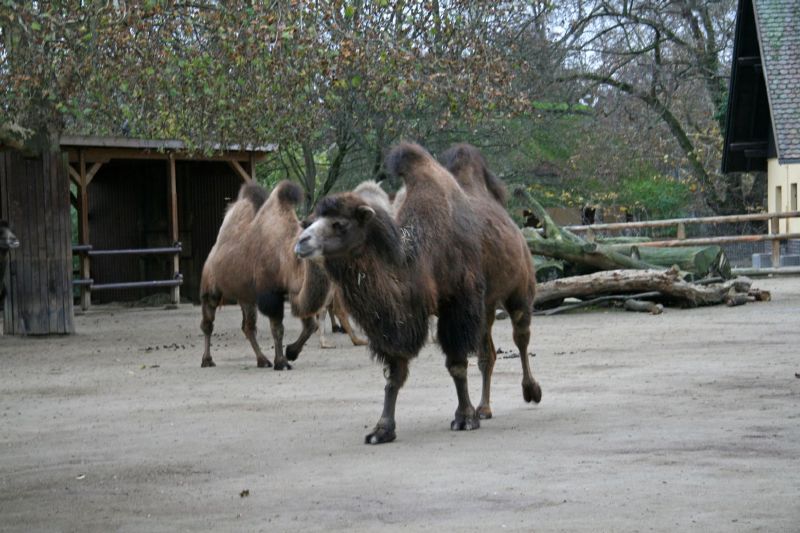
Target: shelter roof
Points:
(763, 118)
(778, 24)
(102, 147)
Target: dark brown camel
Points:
(395, 274)
(507, 266)
(252, 262)
(8, 241)
(375, 196)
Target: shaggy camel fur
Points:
(373, 194)
(395, 274)
(252, 262)
(8, 241)
(507, 266)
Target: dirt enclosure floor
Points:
(687, 421)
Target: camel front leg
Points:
(276, 326)
(309, 327)
(466, 418)
(249, 317)
(396, 372)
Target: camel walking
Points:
(395, 274)
(252, 262)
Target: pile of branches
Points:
(628, 273)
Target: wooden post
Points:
(83, 230)
(253, 167)
(681, 231)
(776, 244)
(172, 201)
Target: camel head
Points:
(7, 237)
(338, 228)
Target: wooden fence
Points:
(680, 224)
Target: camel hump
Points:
(289, 193)
(405, 159)
(467, 163)
(255, 193)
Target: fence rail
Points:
(680, 224)
(86, 284)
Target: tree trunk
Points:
(666, 282)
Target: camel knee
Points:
(458, 370)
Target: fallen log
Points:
(666, 282)
(698, 260)
(643, 307)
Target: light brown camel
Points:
(394, 274)
(507, 266)
(252, 262)
(334, 307)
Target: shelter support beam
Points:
(172, 202)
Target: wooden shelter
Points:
(148, 212)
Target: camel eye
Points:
(340, 226)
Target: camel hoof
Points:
(360, 342)
(292, 352)
(465, 423)
(532, 392)
(484, 412)
(205, 363)
(263, 363)
(380, 436)
(282, 365)
(326, 346)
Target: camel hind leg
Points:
(519, 311)
(487, 355)
(209, 302)
(321, 319)
(249, 329)
(339, 311)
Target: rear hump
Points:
(466, 162)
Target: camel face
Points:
(334, 235)
(7, 238)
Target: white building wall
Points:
(784, 182)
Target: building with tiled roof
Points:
(763, 127)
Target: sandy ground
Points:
(685, 421)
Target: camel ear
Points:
(364, 214)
